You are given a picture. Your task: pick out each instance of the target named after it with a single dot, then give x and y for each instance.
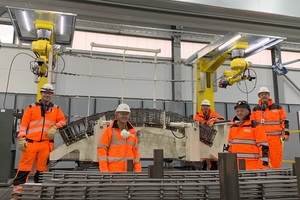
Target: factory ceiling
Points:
(192, 20)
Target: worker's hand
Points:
(265, 163)
(211, 123)
(51, 132)
(22, 143)
(286, 136)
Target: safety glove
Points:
(51, 132)
(22, 143)
(286, 136)
(265, 163)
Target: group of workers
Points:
(255, 137)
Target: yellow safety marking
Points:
(295, 131)
(288, 161)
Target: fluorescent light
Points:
(235, 38)
(62, 24)
(257, 45)
(26, 21)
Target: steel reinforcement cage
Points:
(83, 128)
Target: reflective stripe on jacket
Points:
(247, 140)
(114, 151)
(213, 117)
(36, 122)
(273, 118)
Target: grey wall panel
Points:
(176, 107)
(24, 100)
(103, 104)
(220, 108)
(293, 108)
(107, 79)
(79, 108)
(9, 101)
(291, 148)
(291, 93)
(150, 104)
(21, 79)
(187, 87)
(64, 104)
(189, 109)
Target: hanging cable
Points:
(9, 71)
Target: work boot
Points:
(14, 196)
(17, 189)
(203, 165)
(213, 165)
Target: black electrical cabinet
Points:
(7, 145)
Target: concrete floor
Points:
(5, 191)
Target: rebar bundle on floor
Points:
(259, 184)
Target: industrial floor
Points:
(5, 191)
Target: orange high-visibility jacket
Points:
(213, 117)
(114, 151)
(273, 118)
(248, 139)
(36, 121)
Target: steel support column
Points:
(229, 181)
(176, 68)
(277, 80)
(158, 163)
(297, 169)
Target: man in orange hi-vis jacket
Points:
(119, 143)
(248, 139)
(36, 137)
(273, 118)
(209, 117)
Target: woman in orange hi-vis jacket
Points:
(36, 136)
(248, 139)
(118, 143)
(209, 117)
(274, 120)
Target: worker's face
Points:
(264, 96)
(123, 117)
(46, 97)
(205, 108)
(241, 113)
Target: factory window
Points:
(6, 33)
(289, 57)
(82, 41)
(189, 48)
(261, 58)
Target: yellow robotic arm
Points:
(239, 66)
(42, 47)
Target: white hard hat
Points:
(47, 88)
(205, 102)
(123, 107)
(263, 89)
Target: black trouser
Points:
(22, 176)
